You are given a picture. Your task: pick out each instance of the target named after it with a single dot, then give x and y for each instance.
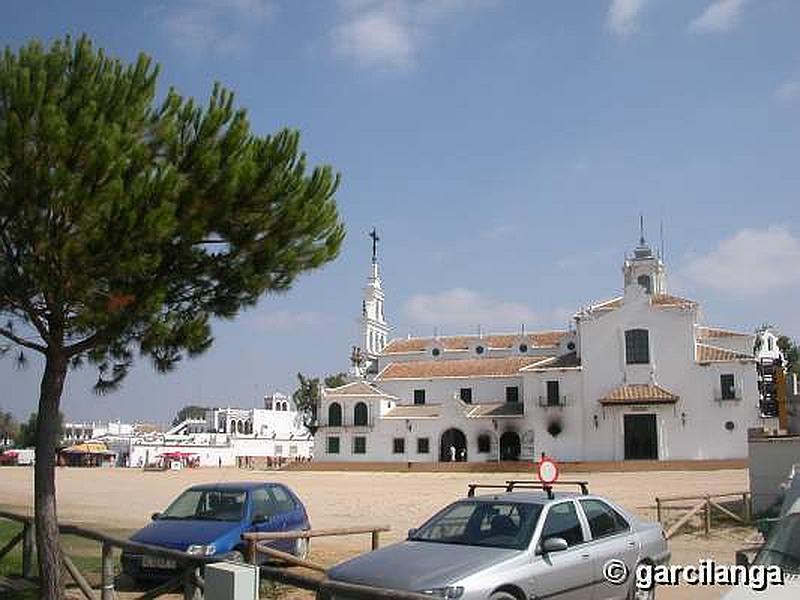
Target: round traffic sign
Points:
(548, 471)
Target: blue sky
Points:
(504, 150)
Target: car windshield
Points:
(783, 546)
(480, 523)
(207, 505)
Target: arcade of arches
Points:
(453, 445)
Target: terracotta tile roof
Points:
(474, 367)
(713, 332)
(607, 304)
(542, 339)
(660, 300)
(706, 353)
(667, 300)
(413, 411)
(493, 410)
(356, 388)
(639, 393)
(565, 361)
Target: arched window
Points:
(240, 426)
(248, 428)
(222, 425)
(645, 282)
(335, 415)
(285, 406)
(484, 443)
(360, 415)
(637, 347)
(232, 427)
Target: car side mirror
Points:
(554, 544)
(155, 516)
(258, 519)
(411, 533)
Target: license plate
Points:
(157, 562)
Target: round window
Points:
(436, 352)
(571, 346)
(523, 348)
(730, 425)
(479, 350)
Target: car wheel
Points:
(301, 548)
(502, 596)
(634, 593)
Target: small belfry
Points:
(644, 267)
(374, 328)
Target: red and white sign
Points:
(548, 471)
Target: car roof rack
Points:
(526, 484)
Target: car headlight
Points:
(451, 592)
(202, 549)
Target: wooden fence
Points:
(704, 504)
(188, 577)
(323, 587)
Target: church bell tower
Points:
(374, 328)
(644, 267)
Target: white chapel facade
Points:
(638, 376)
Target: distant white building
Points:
(227, 436)
(79, 432)
(637, 376)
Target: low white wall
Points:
(771, 460)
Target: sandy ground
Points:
(123, 499)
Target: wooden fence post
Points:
(658, 510)
(376, 539)
(708, 517)
(107, 592)
(746, 507)
(190, 591)
(252, 552)
(28, 550)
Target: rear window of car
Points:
(603, 519)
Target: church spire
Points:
(643, 267)
(641, 230)
(374, 328)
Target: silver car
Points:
(516, 545)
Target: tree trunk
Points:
(47, 434)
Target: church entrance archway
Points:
(510, 446)
(453, 446)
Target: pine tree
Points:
(127, 225)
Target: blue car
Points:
(209, 520)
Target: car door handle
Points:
(631, 544)
(586, 556)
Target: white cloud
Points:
(464, 309)
(220, 26)
(623, 16)
(718, 17)
(287, 320)
(389, 33)
(788, 90)
(754, 261)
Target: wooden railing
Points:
(706, 504)
(188, 576)
(323, 587)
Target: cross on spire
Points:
(375, 239)
(641, 230)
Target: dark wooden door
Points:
(641, 437)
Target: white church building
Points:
(637, 376)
